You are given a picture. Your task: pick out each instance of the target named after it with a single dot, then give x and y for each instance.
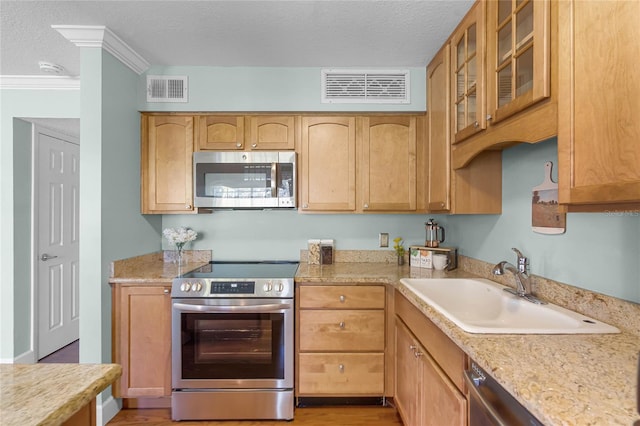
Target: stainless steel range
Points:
(232, 342)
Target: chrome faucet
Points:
(523, 281)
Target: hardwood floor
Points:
(308, 416)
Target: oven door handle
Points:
(473, 383)
(231, 308)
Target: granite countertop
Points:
(49, 394)
(154, 268)
(587, 379)
(562, 379)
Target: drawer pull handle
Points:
(342, 298)
(341, 324)
(341, 368)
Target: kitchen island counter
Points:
(49, 394)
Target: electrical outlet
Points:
(383, 239)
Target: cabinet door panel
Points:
(221, 132)
(598, 138)
(272, 132)
(343, 374)
(343, 330)
(388, 163)
(407, 374)
(439, 132)
(442, 402)
(328, 163)
(142, 341)
(167, 164)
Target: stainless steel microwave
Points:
(244, 180)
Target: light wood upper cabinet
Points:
(272, 132)
(516, 99)
(474, 189)
(599, 105)
(328, 164)
(518, 55)
(439, 134)
(167, 164)
(221, 132)
(383, 148)
(141, 340)
(468, 74)
(387, 163)
(259, 132)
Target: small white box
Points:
(426, 257)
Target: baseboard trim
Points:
(28, 357)
(107, 410)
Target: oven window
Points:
(232, 346)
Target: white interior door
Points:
(56, 205)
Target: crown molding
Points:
(103, 37)
(39, 82)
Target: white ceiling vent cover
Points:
(365, 86)
(162, 88)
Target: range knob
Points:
(280, 287)
(196, 287)
(268, 286)
(185, 287)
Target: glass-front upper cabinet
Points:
(518, 55)
(468, 68)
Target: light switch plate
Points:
(383, 239)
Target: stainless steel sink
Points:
(482, 306)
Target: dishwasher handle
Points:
(474, 381)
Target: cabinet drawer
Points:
(341, 374)
(341, 330)
(342, 297)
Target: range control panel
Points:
(209, 288)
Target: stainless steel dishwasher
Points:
(491, 405)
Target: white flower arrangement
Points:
(179, 236)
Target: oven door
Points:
(232, 344)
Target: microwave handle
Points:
(274, 180)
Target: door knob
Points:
(46, 257)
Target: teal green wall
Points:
(111, 226)
(266, 89)
(598, 252)
(14, 221)
(22, 151)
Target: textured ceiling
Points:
(319, 33)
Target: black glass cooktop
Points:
(245, 269)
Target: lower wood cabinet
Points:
(340, 341)
(141, 340)
(429, 371)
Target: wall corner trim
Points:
(103, 37)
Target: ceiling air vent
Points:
(161, 88)
(365, 86)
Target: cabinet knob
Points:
(188, 206)
(341, 368)
(342, 298)
(366, 206)
(305, 206)
(476, 124)
(489, 117)
(166, 291)
(341, 324)
(412, 347)
(255, 145)
(238, 145)
(417, 354)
